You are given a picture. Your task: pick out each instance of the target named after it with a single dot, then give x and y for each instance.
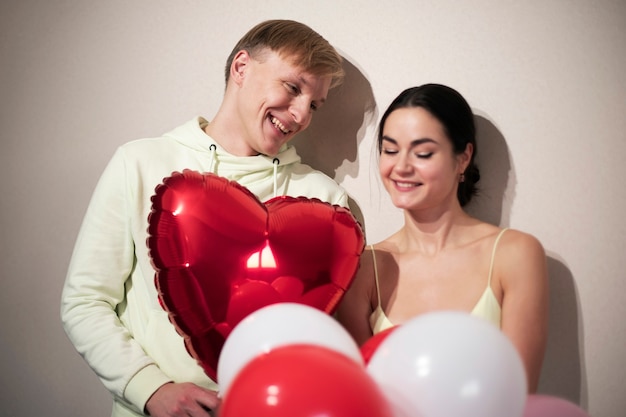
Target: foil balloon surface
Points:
(220, 254)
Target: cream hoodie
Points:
(110, 309)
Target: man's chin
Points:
(272, 150)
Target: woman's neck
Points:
(431, 231)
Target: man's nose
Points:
(301, 111)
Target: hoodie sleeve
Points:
(94, 291)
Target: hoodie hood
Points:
(263, 175)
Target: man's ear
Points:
(239, 66)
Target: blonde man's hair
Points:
(294, 41)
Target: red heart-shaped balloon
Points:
(220, 254)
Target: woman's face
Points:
(417, 163)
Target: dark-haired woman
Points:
(443, 258)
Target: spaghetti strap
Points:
(375, 273)
(378, 320)
(493, 255)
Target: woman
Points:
(442, 258)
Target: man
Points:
(276, 77)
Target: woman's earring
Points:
(462, 177)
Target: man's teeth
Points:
(279, 125)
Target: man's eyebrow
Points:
(302, 80)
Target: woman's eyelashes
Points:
(421, 155)
(388, 151)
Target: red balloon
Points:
(304, 381)
(369, 347)
(542, 405)
(220, 254)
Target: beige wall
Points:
(547, 80)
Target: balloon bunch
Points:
(250, 286)
(289, 359)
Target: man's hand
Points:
(184, 399)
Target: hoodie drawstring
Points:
(276, 161)
(213, 149)
(212, 166)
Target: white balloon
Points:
(447, 363)
(280, 325)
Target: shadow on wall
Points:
(496, 187)
(336, 131)
(562, 372)
(563, 367)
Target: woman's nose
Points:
(402, 164)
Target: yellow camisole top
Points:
(487, 306)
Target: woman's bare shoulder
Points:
(521, 259)
(517, 241)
